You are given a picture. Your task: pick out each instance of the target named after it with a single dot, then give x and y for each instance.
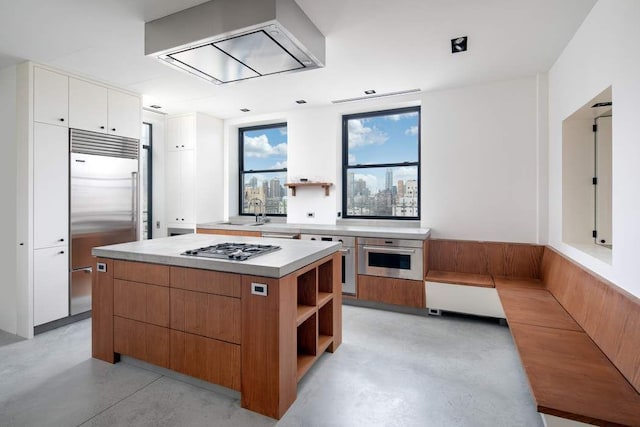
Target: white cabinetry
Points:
(87, 106)
(194, 170)
(50, 186)
(51, 97)
(124, 115)
(99, 109)
(50, 284)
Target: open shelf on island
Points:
(304, 312)
(294, 185)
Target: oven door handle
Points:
(389, 250)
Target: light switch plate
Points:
(102, 267)
(259, 289)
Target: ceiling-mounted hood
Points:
(224, 41)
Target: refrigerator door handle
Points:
(134, 202)
(85, 269)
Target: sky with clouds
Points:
(265, 149)
(384, 139)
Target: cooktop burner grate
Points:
(231, 251)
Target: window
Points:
(263, 169)
(381, 164)
(146, 179)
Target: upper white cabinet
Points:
(124, 115)
(98, 109)
(194, 172)
(51, 97)
(87, 106)
(181, 133)
(50, 186)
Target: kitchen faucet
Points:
(257, 203)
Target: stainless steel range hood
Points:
(224, 41)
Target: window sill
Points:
(380, 222)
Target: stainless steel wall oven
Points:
(396, 258)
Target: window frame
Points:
(346, 167)
(242, 172)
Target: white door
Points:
(50, 284)
(51, 97)
(50, 186)
(173, 185)
(87, 106)
(124, 114)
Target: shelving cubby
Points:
(307, 342)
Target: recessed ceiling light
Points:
(245, 110)
(369, 92)
(301, 101)
(459, 44)
(157, 107)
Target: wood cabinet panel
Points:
(177, 309)
(205, 358)
(102, 313)
(142, 341)
(213, 316)
(130, 300)
(391, 291)
(129, 337)
(142, 302)
(514, 260)
(212, 282)
(157, 305)
(230, 232)
(142, 272)
(157, 342)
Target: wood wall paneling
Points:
(142, 272)
(102, 313)
(213, 282)
(514, 259)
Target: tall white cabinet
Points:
(49, 102)
(193, 170)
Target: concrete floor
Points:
(391, 370)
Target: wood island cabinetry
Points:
(253, 334)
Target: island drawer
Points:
(212, 282)
(141, 340)
(205, 358)
(213, 316)
(141, 302)
(141, 272)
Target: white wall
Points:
(602, 54)
(480, 162)
(480, 159)
(8, 173)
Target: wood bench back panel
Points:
(497, 259)
(609, 315)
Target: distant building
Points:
(388, 181)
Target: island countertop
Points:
(293, 255)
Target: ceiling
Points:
(371, 44)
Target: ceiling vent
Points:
(225, 41)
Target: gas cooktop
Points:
(231, 251)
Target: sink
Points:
(244, 224)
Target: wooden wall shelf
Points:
(294, 185)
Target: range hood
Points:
(224, 41)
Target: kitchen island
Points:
(255, 326)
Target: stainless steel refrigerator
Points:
(103, 203)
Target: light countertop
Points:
(293, 255)
(385, 232)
